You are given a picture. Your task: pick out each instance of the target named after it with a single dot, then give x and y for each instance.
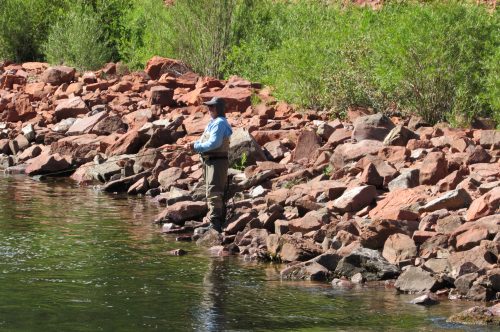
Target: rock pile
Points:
(368, 198)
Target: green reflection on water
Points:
(74, 259)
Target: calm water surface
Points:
(75, 259)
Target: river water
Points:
(75, 259)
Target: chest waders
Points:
(215, 167)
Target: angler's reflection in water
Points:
(212, 313)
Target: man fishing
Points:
(213, 146)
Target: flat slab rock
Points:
(416, 280)
(355, 199)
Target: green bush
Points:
(429, 59)
(202, 33)
(112, 20)
(24, 25)
(78, 40)
(146, 33)
(438, 60)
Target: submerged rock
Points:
(477, 315)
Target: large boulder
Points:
(180, 212)
(243, 143)
(369, 263)
(70, 108)
(416, 280)
(291, 248)
(485, 205)
(157, 66)
(473, 260)
(162, 96)
(168, 177)
(399, 204)
(305, 271)
(318, 268)
(372, 127)
(407, 179)
(398, 248)
(81, 149)
(399, 135)
(46, 164)
(451, 200)
(85, 125)
(235, 99)
(490, 139)
(58, 75)
(129, 143)
(355, 199)
(477, 315)
(307, 146)
(350, 152)
(109, 125)
(312, 221)
(434, 168)
(374, 233)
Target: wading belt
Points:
(214, 156)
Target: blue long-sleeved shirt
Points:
(217, 129)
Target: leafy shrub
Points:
(78, 40)
(111, 14)
(428, 59)
(146, 33)
(202, 33)
(24, 25)
(435, 59)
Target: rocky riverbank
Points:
(368, 198)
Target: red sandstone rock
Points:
(469, 261)
(179, 212)
(398, 201)
(85, 125)
(485, 205)
(307, 146)
(372, 127)
(158, 66)
(355, 199)
(129, 143)
(46, 163)
(310, 222)
(399, 247)
(236, 99)
(490, 138)
(70, 108)
(433, 169)
(471, 238)
(58, 75)
(350, 152)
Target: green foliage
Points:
(146, 33)
(78, 40)
(24, 25)
(202, 33)
(328, 170)
(111, 19)
(428, 58)
(435, 59)
(241, 164)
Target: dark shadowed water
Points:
(75, 259)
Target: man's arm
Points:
(213, 142)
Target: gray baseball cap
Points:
(215, 101)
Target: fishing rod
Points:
(169, 148)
